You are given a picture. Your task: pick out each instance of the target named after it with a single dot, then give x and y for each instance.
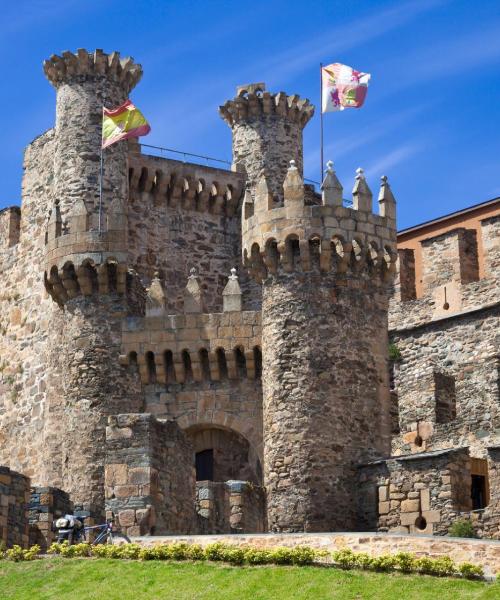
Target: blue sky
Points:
(430, 121)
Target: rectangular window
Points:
(205, 465)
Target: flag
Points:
(121, 123)
(343, 87)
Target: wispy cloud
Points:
(393, 158)
(346, 145)
(286, 65)
(446, 58)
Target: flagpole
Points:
(321, 119)
(100, 177)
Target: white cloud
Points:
(342, 146)
(286, 65)
(390, 160)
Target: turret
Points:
(87, 224)
(325, 272)
(267, 133)
(86, 271)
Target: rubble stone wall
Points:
(230, 507)
(149, 475)
(46, 505)
(14, 500)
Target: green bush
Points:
(67, 551)
(462, 528)
(394, 353)
(257, 557)
(405, 562)
(300, 555)
(470, 571)
(215, 551)
(383, 563)
(18, 554)
(345, 558)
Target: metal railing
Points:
(207, 159)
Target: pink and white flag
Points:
(343, 87)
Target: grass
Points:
(89, 579)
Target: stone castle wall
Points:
(149, 479)
(14, 500)
(448, 341)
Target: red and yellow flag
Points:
(121, 123)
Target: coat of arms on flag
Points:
(121, 123)
(343, 87)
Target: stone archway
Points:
(223, 454)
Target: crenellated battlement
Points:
(296, 236)
(253, 101)
(85, 279)
(186, 186)
(86, 233)
(81, 65)
(10, 224)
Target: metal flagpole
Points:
(321, 119)
(100, 181)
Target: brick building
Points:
(207, 349)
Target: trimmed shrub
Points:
(462, 528)
(405, 562)
(345, 558)
(470, 571)
(18, 554)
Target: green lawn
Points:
(79, 579)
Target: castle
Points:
(228, 350)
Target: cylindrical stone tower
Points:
(267, 133)
(86, 274)
(324, 271)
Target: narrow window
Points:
(241, 363)
(204, 364)
(478, 492)
(205, 465)
(169, 366)
(257, 358)
(132, 360)
(188, 370)
(150, 362)
(221, 361)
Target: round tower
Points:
(267, 133)
(325, 271)
(86, 264)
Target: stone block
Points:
(432, 516)
(409, 518)
(382, 493)
(115, 474)
(425, 500)
(410, 506)
(383, 508)
(126, 518)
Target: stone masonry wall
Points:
(25, 311)
(183, 216)
(188, 369)
(230, 507)
(14, 500)
(421, 493)
(149, 475)
(46, 505)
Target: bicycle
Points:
(105, 535)
(78, 535)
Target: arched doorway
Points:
(223, 454)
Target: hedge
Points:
(403, 562)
